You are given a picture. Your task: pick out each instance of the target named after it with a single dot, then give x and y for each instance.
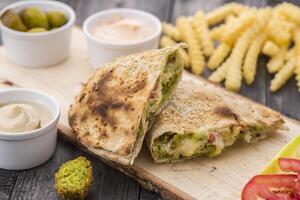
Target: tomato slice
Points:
(289, 164)
(274, 186)
(271, 187)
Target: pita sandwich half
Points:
(202, 119)
(120, 101)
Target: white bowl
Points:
(101, 52)
(28, 149)
(38, 49)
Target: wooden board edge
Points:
(145, 179)
(293, 121)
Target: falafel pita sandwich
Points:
(120, 101)
(202, 119)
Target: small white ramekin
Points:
(26, 150)
(38, 49)
(101, 52)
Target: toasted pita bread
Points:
(202, 119)
(116, 106)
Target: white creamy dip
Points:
(123, 30)
(22, 117)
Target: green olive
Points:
(56, 18)
(37, 30)
(35, 18)
(12, 20)
(53, 28)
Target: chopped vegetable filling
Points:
(174, 146)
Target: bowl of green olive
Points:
(37, 33)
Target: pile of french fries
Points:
(230, 39)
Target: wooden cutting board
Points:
(217, 178)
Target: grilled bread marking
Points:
(110, 116)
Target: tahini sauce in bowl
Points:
(21, 117)
(28, 128)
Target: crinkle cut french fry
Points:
(250, 62)
(290, 12)
(280, 37)
(296, 38)
(290, 54)
(194, 47)
(171, 31)
(219, 14)
(202, 31)
(230, 18)
(279, 34)
(220, 74)
(216, 33)
(233, 32)
(218, 56)
(233, 80)
(263, 16)
(283, 75)
(167, 41)
(279, 21)
(287, 25)
(270, 48)
(277, 61)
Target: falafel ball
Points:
(73, 179)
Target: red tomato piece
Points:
(272, 187)
(289, 165)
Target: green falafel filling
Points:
(166, 84)
(173, 146)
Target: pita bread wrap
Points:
(203, 119)
(120, 101)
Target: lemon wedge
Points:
(291, 150)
